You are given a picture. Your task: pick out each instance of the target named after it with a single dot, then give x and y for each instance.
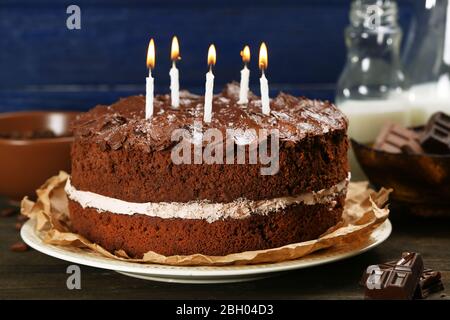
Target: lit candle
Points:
(149, 80)
(174, 82)
(264, 85)
(209, 86)
(245, 76)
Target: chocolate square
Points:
(430, 282)
(394, 138)
(394, 281)
(436, 136)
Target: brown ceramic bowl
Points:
(26, 163)
(421, 181)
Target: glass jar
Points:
(427, 59)
(370, 90)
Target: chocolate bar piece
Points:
(394, 138)
(398, 281)
(436, 136)
(430, 282)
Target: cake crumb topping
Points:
(123, 123)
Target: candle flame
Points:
(175, 50)
(151, 57)
(245, 54)
(263, 58)
(211, 55)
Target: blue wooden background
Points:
(43, 65)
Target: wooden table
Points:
(32, 275)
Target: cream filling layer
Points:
(238, 209)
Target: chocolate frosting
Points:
(123, 123)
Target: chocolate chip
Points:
(19, 247)
(116, 140)
(103, 145)
(106, 125)
(8, 212)
(113, 121)
(85, 131)
(22, 218)
(119, 119)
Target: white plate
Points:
(221, 274)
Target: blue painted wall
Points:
(43, 65)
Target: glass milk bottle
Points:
(370, 90)
(427, 59)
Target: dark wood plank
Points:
(34, 275)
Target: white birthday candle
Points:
(150, 80)
(209, 86)
(264, 84)
(174, 75)
(245, 76)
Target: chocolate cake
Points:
(126, 192)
